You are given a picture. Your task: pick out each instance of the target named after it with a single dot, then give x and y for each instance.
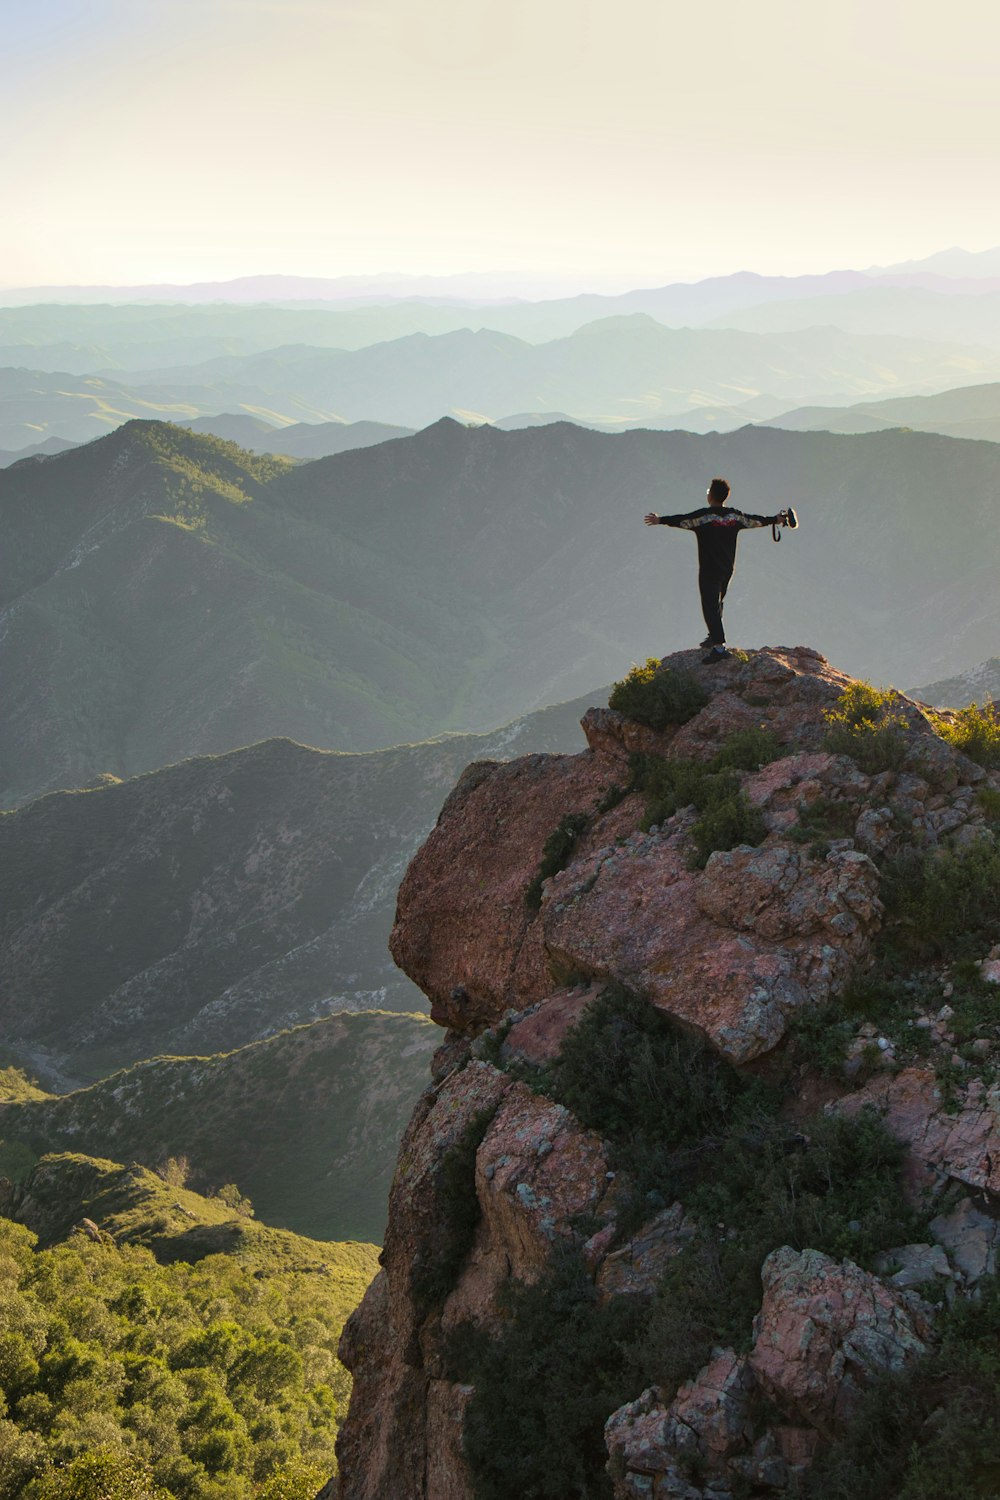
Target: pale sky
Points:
(188, 140)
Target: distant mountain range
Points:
(880, 311)
(629, 370)
(45, 448)
(165, 595)
(298, 440)
(971, 411)
(979, 684)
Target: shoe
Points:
(713, 656)
(705, 644)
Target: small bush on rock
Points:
(557, 852)
(822, 822)
(945, 902)
(975, 731)
(725, 818)
(627, 1071)
(834, 1188)
(544, 1385)
(748, 750)
(864, 727)
(658, 696)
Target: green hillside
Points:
(155, 1344)
(307, 1122)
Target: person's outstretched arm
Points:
(685, 522)
(749, 522)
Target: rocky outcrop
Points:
(824, 1331)
(532, 1174)
(495, 1178)
(734, 949)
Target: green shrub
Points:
(557, 852)
(661, 1097)
(544, 1385)
(989, 801)
(942, 903)
(930, 1430)
(835, 1188)
(658, 696)
(864, 727)
(976, 1004)
(106, 1474)
(629, 1072)
(748, 750)
(823, 821)
(725, 818)
(230, 1195)
(975, 731)
(725, 823)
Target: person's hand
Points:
(652, 519)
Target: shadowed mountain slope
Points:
(216, 901)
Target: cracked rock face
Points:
(825, 1329)
(963, 1144)
(463, 932)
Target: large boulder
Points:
(825, 1329)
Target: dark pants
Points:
(712, 587)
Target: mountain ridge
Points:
(448, 581)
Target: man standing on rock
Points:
(717, 530)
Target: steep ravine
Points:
(712, 1150)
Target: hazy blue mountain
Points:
(629, 367)
(299, 439)
(621, 370)
(954, 262)
(971, 411)
(978, 684)
(45, 449)
(165, 595)
(903, 312)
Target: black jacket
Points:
(717, 529)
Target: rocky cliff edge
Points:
(512, 1175)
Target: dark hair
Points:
(719, 490)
